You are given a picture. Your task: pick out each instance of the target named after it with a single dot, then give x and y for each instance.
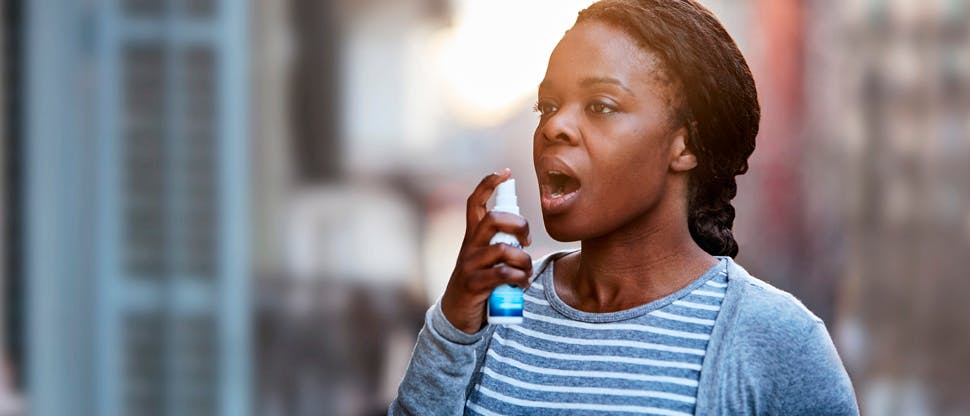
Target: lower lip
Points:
(555, 205)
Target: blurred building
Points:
(903, 148)
(132, 203)
(857, 197)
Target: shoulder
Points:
(768, 310)
(783, 352)
(764, 319)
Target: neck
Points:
(641, 262)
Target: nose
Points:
(560, 126)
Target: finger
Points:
(505, 222)
(476, 209)
(486, 280)
(489, 256)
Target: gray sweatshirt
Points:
(767, 354)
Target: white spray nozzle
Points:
(505, 200)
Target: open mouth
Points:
(558, 190)
(559, 184)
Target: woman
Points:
(647, 112)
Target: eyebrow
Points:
(591, 81)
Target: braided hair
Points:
(715, 99)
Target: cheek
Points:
(630, 175)
(634, 159)
(536, 142)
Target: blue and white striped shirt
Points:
(562, 360)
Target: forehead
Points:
(595, 49)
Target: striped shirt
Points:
(561, 360)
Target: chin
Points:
(560, 230)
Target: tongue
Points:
(558, 190)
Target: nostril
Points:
(563, 137)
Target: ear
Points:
(682, 159)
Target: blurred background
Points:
(231, 207)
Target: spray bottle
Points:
(505, 303)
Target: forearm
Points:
(442, 364)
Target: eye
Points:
(544, 108)
(601, 108)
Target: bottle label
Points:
(505, 301)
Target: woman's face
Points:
(604, 150)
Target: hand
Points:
(476, 273)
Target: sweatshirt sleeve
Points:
(819, 365)
(778, 358)
(795, 371)
(442, 364)
(815, 381)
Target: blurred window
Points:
(174, 311)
